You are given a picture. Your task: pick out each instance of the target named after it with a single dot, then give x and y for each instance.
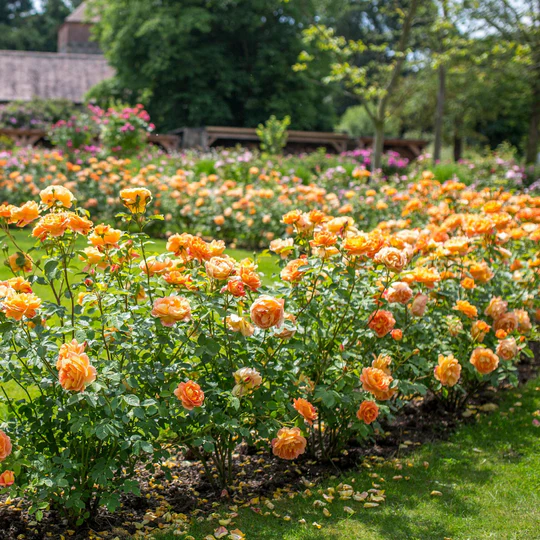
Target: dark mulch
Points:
(258, 473)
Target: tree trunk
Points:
(439, 115)
(458, 142)
(531, 154)
(378, 145)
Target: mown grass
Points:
(488, 473)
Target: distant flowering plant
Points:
(74, 134)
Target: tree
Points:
(204, 62)
(517, 21)
(367, 70)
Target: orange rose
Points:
(293, 271)
(484, 360)
(136, 199)
(105, 235)
(171, 309)
(250, 278)
(524, 321)
(394, 259)
(289, 443)
(466, 308)
(286, 331)
(235, 286)
(246, 379)
(20, 262)
(364, 244)
(479, 330)
(73, 347)
(448, 371)
(25, 214)
(190, 394)
(399, 292)
(427, 276)
(7, 478)
(153, 265)
(220, 267)
(79, 224)
(481, 272)
(497, 307)
(377, 382)
(93, 257)
(507, 322)
(368, 412)
(507, 349)
(282, 247)
(323, 239)
(57, 195)
(17, 306)
(418, 307)
(5, 446)
(382, 362)
(239, 324)
(179, 244)
(54, 225)
(305, 409)
(76, 372)
(18, 284)
(381, 322)
(267, 311)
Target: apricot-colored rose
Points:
(199, 249)
(235, 286)
(24, 214)
(93, 257)
(364, 244)
(104, 235)
(7, 478)
(57, 195)
(177, 278)
(20, 262)
(292, 272)
(323, 239)
(18, 284)
(507, 322)
(267, 311)
(154, 265)
(480, 271)
(399, 292)
(76, 372)
(79, 224)
(239, 324)
(479, 330)
(507, 349)
(448, 370)
(51, 225)
(524, 321)
(377, 382)
(246, 379)
(459, 245)
(427, 276)
(466, 308)
(484, 360)
(286, 331)
(497, 307)
(397, 334)
(250, 278)
(5, 446)
(220, 267)
(382, 362)
(368, 412)
(418, 307)
(381, 322)
(19, 305)
(289, 443)
(171, 309)
(305, 409)
(282, 247)
(179, 244)
(394, 259)
(136, 199)
(190, 394)
(72, 347)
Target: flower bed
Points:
(143, 354)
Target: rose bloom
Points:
(394, 259)
(399, 292)
(382, 362)
(284, 332)
(20, 262)
(484, 360)
(507, 349)
(239, 324)
(305, 409)
(364, 244)
(235, 286)
(5, 446)
(497, 307)
(18, 284)
(104, 235)
(24, 214)
(397, 334)
(282, 247)
(481, 272)
(51, 225)
(418, 307)
(177, 278)
(289, 443)
(136, 199)
(246, 379)
(524, 321)
(190, 394)
(292, 272)
(7, 478)
(76, 372)
(17, 306)
(479, 330)
(507, 322)
(377, 382)
(93, 257)
(153, 265)
(448, 371)
(427, 276)
(466, 308)
(368, 412)
(459, 245)
(171, 309)
(68, 348)
(250, 278)
(267, 311)
(381, 322)
(79, 224)
(323, 239)
(179, 244)
(220, 267)
(57, 195)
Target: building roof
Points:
(80, 15)
(25, 75)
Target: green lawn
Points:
(488, 473)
